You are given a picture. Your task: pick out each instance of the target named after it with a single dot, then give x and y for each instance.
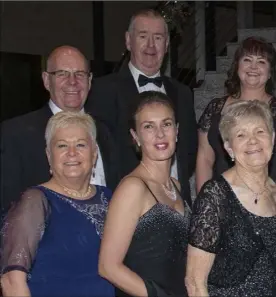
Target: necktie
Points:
(143, 80)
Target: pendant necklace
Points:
(257, 195)
(169, 193)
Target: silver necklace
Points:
(257, 195)
(171, 194)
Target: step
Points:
(268, 33)
(223, 64)
(232, 47)
(203, 97)
(213, 80)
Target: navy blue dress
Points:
(55, 240)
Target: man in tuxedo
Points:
(23, 159)
(147, 40)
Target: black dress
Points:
(244, 243)
(209, 123)
(158, 250)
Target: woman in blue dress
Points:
(51, 237)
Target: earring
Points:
(232, 158)
(176, 139)
(138, 143)
(51, 172)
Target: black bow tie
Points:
(143, 80)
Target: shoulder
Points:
(131, 188)
(103, 80)
(214, 107)
(32, 198)
(182, 88)
(213, 192)
(19, 123)
(105, 190)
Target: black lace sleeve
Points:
(206, 218)
(22, 231)
(214, 107)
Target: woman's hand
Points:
(14, 283)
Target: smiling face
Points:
(253, 71)
(147, 41)
(250, 143)
(69, 94)
(156, 132)
(72, 153)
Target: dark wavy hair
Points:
(251, 46)
(147, 98)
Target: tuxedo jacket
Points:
(110, 99)
(23, 157)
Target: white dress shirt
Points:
(151, 87)
(99, 178)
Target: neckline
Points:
(240, 204)
(162, 205)
(68, 197)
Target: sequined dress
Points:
(55, 240)
(157, 252)
(244, 244)
(209, 123)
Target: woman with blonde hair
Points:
(51, 237)
(232, 238)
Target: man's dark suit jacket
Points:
(23, 158)
(109, 100)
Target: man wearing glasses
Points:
(23, 158)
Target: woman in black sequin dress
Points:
(251, 76)
(232, 242)
(143, 251)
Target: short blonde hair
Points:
(65, 118)
(241, 109)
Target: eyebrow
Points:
(146, 31)
(258, 56)
(80, 139)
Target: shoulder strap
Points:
(149, 190)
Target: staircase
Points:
(213, 85)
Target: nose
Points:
(72, 79)
(253, 64)
(252, 139)
(160, 132)
(150, 41)
(72, 150)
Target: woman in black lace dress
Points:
(144, 245)
(232, 243)
(251, 76)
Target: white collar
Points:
(136, 72)
(55, 109)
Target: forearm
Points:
(204, 172)
(14, 288)
(126, 280)
(196, 289)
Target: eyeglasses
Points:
(64, 74)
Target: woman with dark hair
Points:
(143, 252)
(252, 76)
